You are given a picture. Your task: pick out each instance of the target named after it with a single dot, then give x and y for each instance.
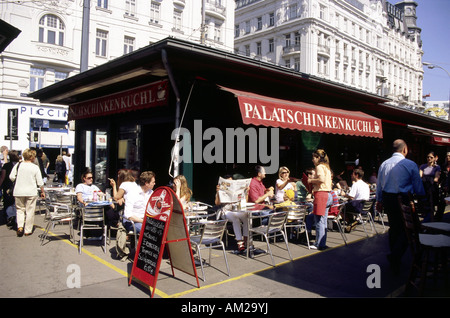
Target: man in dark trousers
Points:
(397, 176)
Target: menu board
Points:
(150, 247)
(164, 226)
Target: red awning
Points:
(271, 112)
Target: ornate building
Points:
(371, 45)
(49, 49)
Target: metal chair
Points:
(336, 219)
(92, 218)
(209, 237)
(365, 215)
(422, 246)
(274, 228)
(57, 214)
(296, 220)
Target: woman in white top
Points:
(28, 178)
(283, 184)
(85, 192)
(134, 195)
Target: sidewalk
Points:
(53, 269)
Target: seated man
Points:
(259, 194)
(136, 198)
(359, 192)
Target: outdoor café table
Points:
(441, 227)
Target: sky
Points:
(433, 17)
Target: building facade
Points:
(49, 49)
(371, 45)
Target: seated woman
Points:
(134, 195)
(238, 219)
(85, 192)
(181, 188)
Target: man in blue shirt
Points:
(397, 176)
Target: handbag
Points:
(10, 191)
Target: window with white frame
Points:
(128, 44)
(259, 23)
(236, 31)
(271, 19)
(258, 48)
(51, 30)
(130, 8)
(59, 76)
(102, 4)
(177, 19)
(101, 42)
(37, 77)
(218, 32)
(271, 45)
(155, 12)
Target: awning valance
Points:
(150, 95)
(271, 112)
(437, 137)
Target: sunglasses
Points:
(88, 178)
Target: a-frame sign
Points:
(164, 226)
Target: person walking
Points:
(397, 176)
(27, 177)
(322, 197)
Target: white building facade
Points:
(48, 50)
(371, 45)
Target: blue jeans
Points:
(129, 226)
(320, 221)
(10, 211)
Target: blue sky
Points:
(433, 17)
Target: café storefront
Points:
(227, 114)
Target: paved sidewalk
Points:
(358, 270)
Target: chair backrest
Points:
(277, 220)
(213, 229)
(367, 206)
(92, 214)
(336, 209)
(296, 213)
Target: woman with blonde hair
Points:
(284, 183)
(181, 188)
(27, 177)
(323, 199)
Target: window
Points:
(297, 64)
(258, 48)
(155, 12)
(59, 76)
(51, 30)
(271, 19)
(247, 27)
(287, 40)
(259, 23)
(247, 50)
(102, 4)
(128, 44)
(292, 11)
(130, 8)
(271, 46)
(236, 30)
(101, 43)
(37, 76)
(218, 32)
(177, 19)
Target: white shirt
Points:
(360, 191)
(29, 178)
(279, 195)
(87, 191)
(135, 199)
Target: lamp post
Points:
(432, 66)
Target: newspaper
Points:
(232, 191)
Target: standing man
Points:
(397, 176)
